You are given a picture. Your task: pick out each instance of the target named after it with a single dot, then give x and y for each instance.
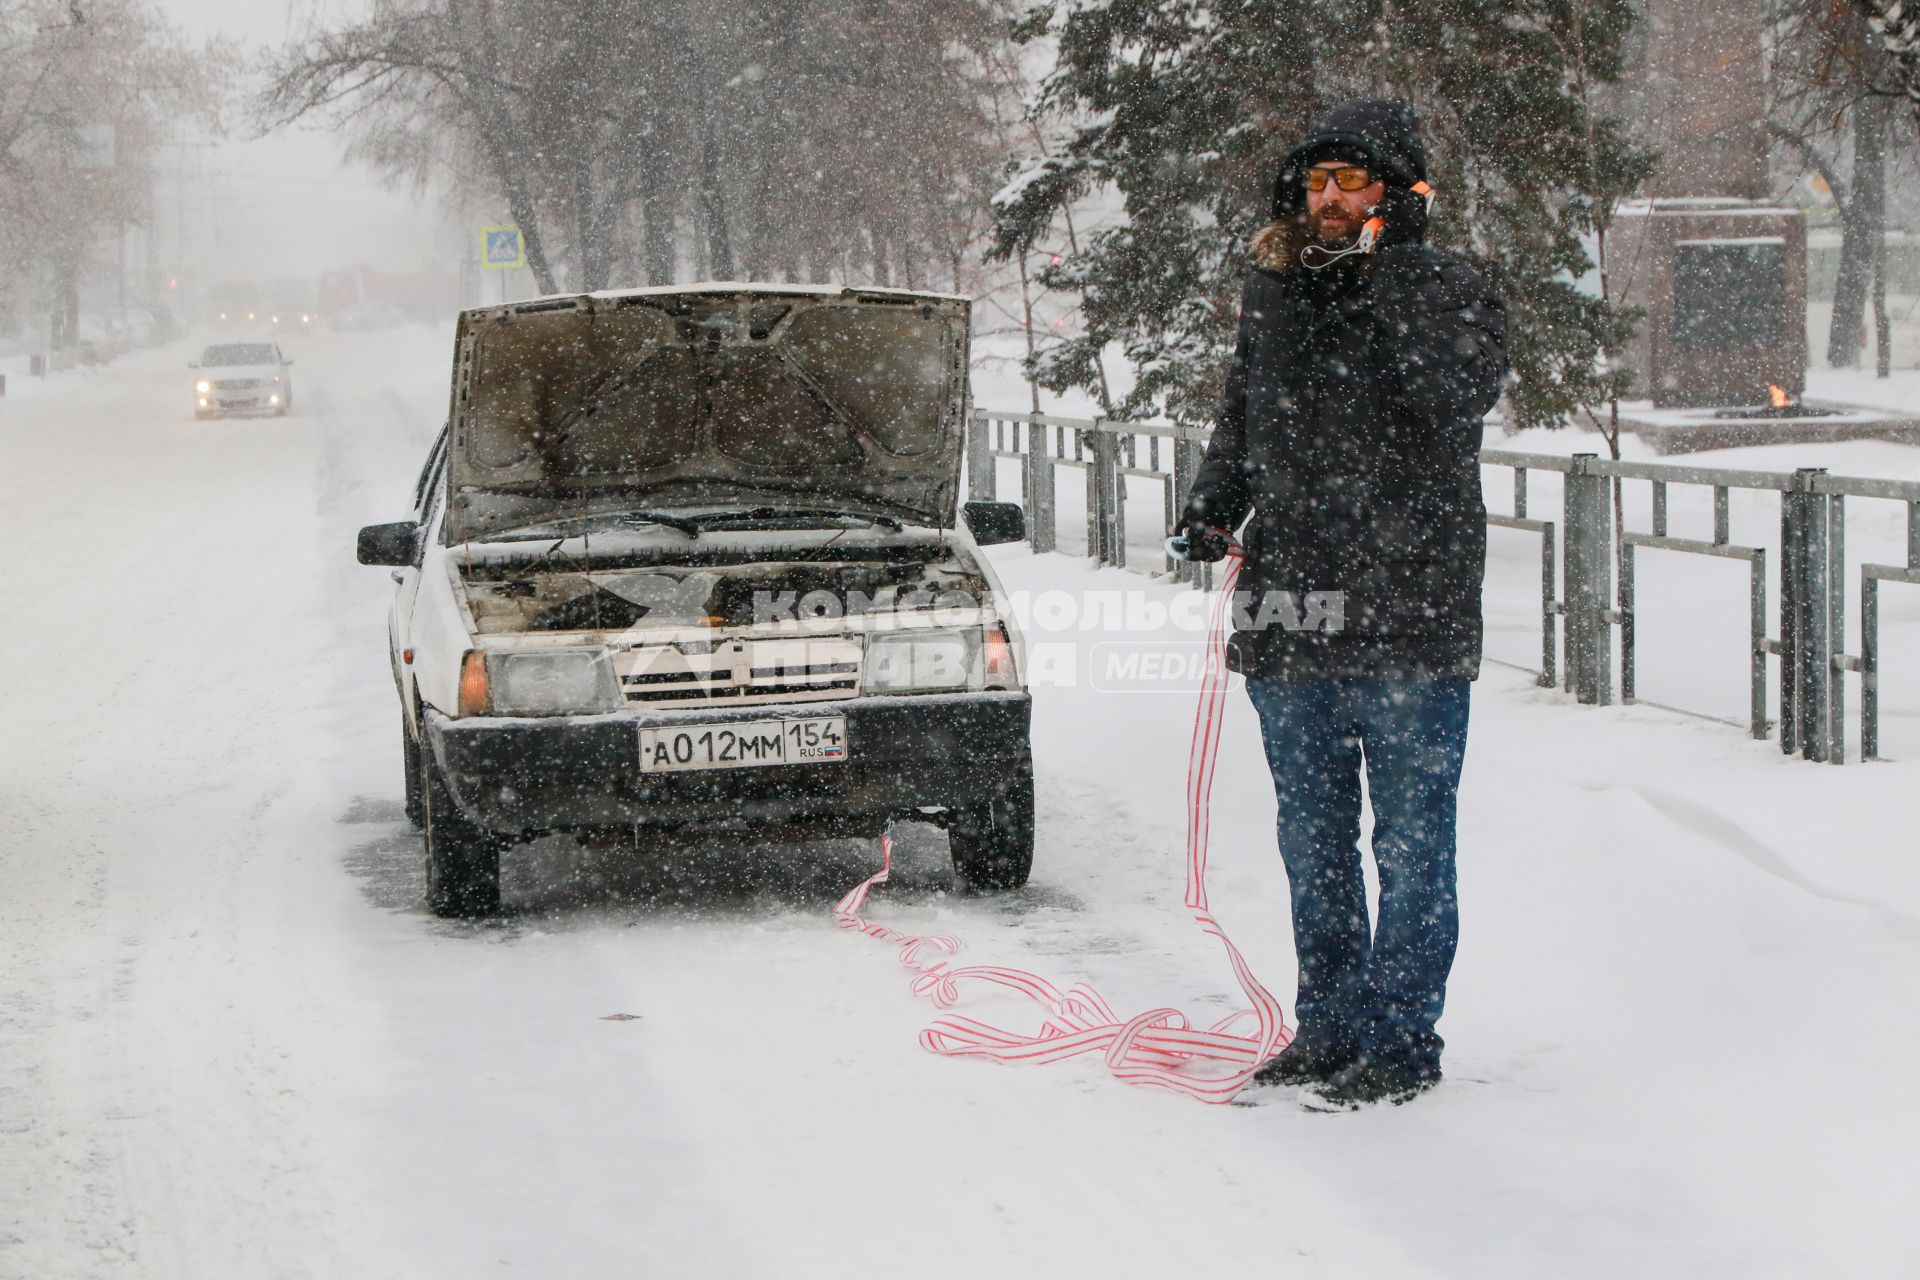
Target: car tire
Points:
(463, 860)
(411, 753)
(992, 843)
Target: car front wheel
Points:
(463, 860)
(992, 843)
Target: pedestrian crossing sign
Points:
(502, 248)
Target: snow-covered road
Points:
(233, 1044)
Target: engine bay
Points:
(553, 593)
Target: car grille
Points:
(742, 673)
(238, 384)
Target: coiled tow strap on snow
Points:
(1160, 1047)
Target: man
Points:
(1350, 432)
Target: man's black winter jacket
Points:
(1350, 431)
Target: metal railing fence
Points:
(1108, 452)
(1583, 606)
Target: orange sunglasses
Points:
(1351, 179)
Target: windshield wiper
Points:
(525, 534)
(762, 515)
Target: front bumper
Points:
(219, 406)
(579, 772)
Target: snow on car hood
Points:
(709, 395)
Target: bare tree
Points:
(1897, 24)
(797, 137)
(1832, 86)
(87, 89)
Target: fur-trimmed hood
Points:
(1383, 135)
(1277, 245)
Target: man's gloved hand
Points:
(1200, 542)
(1405, 216)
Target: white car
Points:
(688, 559)
(242, 377)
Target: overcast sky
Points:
(287, 205)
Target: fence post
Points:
(1628, 657)
(1791, 551)
(1038, 463)
(1102, 544)
(981, 478)
(1549, 604)
(1589, 581)
(1806, 616)
(1186, 464)
(1869, 668)
(1836, 629)
(1113, 497)
(1757, 645)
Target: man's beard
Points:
(1334, 234)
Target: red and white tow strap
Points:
(1159, 1047)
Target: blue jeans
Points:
(1379, 990)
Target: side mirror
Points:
(287, 363)
(193, 364)
(395, 544)
(995, 522)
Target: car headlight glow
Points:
(203, 386)
(555, 683)
(921, 661)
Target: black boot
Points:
(1370, 1081)
(1306, 1061)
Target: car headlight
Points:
(276, 377)
(921, 661)
(557, 683)
(203, 386)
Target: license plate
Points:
(743, 744)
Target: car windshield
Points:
(238, 353)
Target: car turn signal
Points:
(474, 697)
(999, 665)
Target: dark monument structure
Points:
(1718, 269)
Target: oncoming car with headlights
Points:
(687, 560)
(242, 377)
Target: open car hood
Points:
(708, 395)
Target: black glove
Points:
(1200, 542)
(1405, 216)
